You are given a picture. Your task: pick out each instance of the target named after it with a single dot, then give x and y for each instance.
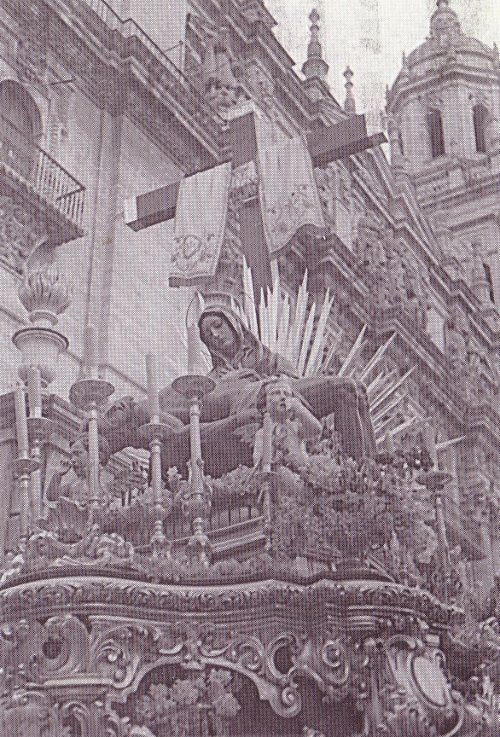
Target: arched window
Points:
(20, 127)
(480, 117)
(436, 134)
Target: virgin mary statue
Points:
(241, 365)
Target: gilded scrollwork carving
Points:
(410, 693)
(27, 713)
(326, 661)
(33, 652)
(366, 654)
(118, 651)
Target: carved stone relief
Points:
(20, 233)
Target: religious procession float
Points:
(248, 552)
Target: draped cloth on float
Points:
(288, 194)
(200, 223)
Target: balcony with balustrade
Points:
(41, 191)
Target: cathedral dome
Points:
(446, 49)
(444, 105)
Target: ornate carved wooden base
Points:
(97, 655)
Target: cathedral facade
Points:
(250, 421)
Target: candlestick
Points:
(34, 391)
(93, 462)
(23, 466)
(267, 443)
(21, 422)
(194, 388)
(156, 434)
(91, 351)
(89, 394)
(36, 483)
(39, 430)
(153, 390)
(441, 528)
(193, 348)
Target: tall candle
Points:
(91, 351)
(153, 390)
(193, 348)
(34, 391)
(267, 442)
(21, 422)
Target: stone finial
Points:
(315, 66)
(396, 144)
(496, 56)
(444, 22)
(350, 102)
(314, 49)
(405, 69)
(45, 294)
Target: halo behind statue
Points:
(301, 332)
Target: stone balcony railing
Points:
(34, 179)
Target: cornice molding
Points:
(81, 594)
(435, 79)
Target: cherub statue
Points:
(293, 423)
(69, 515)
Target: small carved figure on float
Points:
(69, 515)
(292, 423)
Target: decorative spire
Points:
(314, 50)
(396, 147)
(496, 55)
(315, 66)
(350, 102)
(405, 72)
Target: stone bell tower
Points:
(444, 128)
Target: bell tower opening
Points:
(436, 132)
(480, 116)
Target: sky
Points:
(371, 35)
